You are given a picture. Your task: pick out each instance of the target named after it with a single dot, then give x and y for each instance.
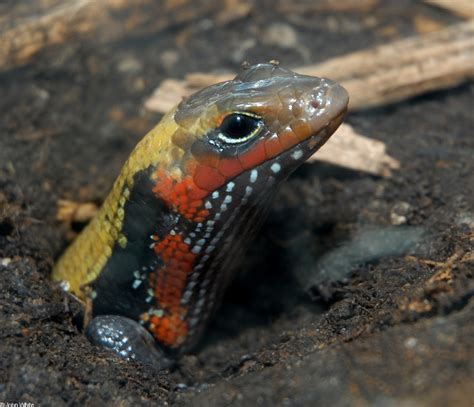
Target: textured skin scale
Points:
(164, 245)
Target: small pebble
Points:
(281, 35)
(129, 64)
(465, 218)
(5, 261)
(169, 59)
(411, 342)
(399, 213)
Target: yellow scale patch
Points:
(84, 260)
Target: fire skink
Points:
(167, 240)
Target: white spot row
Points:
(151, 294)
(253, 175)
(276, 167)
(297, 154)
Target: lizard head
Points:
(253, 131)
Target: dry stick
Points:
(24, 40)
(104, 20)
(349, 149)
(463, 8)
(404, 68)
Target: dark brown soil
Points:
(395, 327)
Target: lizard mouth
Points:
(292, 158)
(316, 141)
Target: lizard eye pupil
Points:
(239, 127)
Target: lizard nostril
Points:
(314, 103)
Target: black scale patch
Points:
(123, 286)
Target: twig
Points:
(463, 8)
(404, 68)
(22, 38)
(349, 149)
(70, 211)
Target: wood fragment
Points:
(24, 35)
(286, 6)
(70, 211)
(349, 149)
(373, 77)
(233, 10)
(168, 94)
(404, 68)
(425, 24)
(462, 8)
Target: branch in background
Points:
(404, 68)
(24, 35)
(349, 149)
(462, 8)
(373, 77)
(70, 211)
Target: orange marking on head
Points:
(180, 188)
(211, 160)
(220, 119)
(273, 147)
(301, 129)
(183, 196)
(255, 156)
(198, 193)
(288, 139)
(230, 167)
(208, 178)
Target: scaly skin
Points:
(166, 242)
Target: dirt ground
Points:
(394, 327)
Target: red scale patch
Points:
(254, 157)
(183, 196)
(208, 178)
(186, 196)
(230, 167)
(168, 284)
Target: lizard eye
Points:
(239, 127)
